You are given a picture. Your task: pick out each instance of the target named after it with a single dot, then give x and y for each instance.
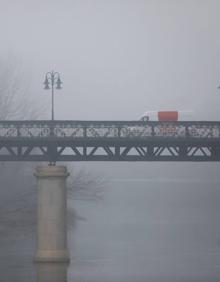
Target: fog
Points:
(118, 59)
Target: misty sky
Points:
(118, 58)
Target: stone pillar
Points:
(51, 214)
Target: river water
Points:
(142, 230)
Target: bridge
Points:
(59, 140)
(66, 140)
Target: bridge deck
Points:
(109, 141)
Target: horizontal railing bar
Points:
(105, 122)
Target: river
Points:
(155, 230)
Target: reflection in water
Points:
(155, 232)
(52, 272)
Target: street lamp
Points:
(51, 79)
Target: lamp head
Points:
(59, 82)
(46, 84)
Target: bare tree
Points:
(18, 194)
(15, 99)
(83, 185)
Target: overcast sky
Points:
(118, 58)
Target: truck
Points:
(166, 115)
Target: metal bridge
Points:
(109, 141)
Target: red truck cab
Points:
(160, 116)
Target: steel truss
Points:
(109, 141)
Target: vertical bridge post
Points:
(51, 214)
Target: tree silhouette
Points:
(18, 186)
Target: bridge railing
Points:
(108, 129)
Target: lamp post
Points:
(51, 79)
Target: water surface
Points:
(141, 231)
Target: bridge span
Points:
(54, 141)
(66, 140)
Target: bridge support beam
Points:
(51, 214)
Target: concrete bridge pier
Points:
(51, 214)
